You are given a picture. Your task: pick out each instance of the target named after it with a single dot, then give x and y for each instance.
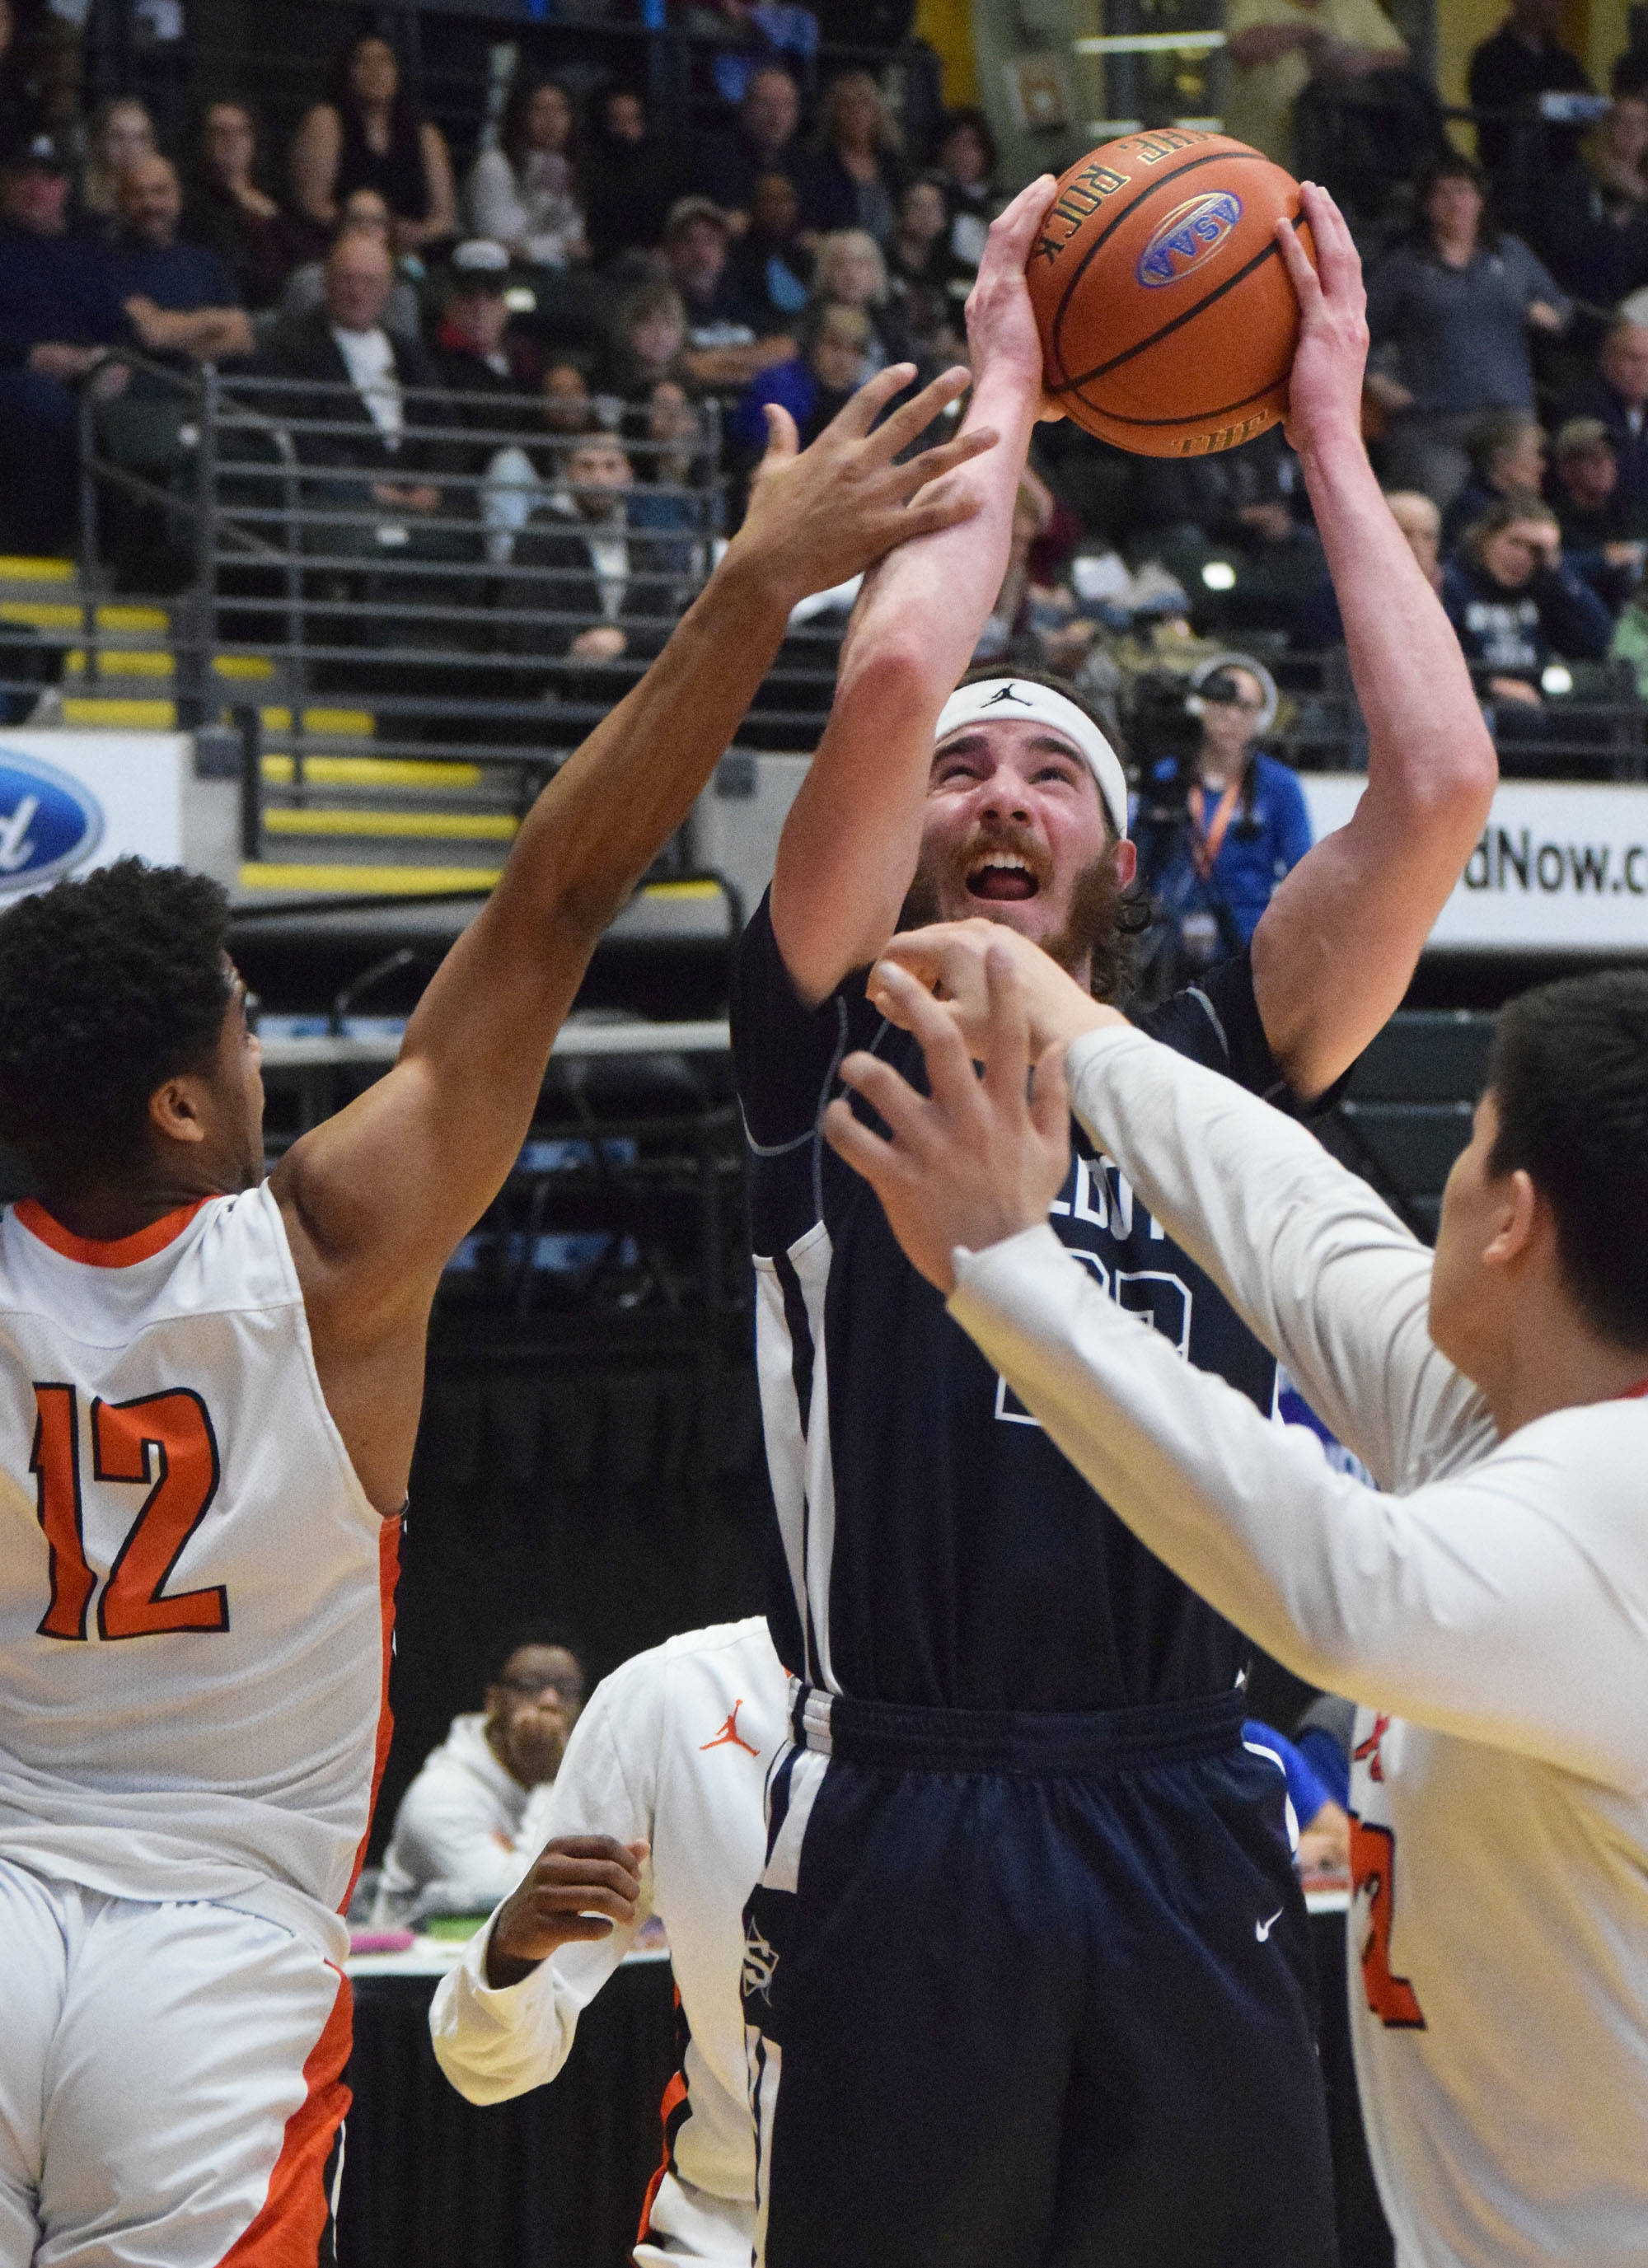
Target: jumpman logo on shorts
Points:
(730, 1736)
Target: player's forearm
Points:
(852, 836)
(1467, 1606)
(1429, 755)
(494, 2043)
(1319, 1269)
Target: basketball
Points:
(1168, 320)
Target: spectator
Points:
(648, 341)
(669, 507)
(1455, 304)
(1516, 607)
(1276, 47)
(585, 573)
(370, 134)
(769, 265)
(848, 271)
(1629, 642)
(633, 179)
(454, 1848)
(964, 159)
(524, 194)
(1219, 831)
(1592, 224)
(762, 141)
(227, 210)
(568, 406)
(59, 309)
(918, 250)
(851, 180)
(121, 132)
(514, 487)
(812, 385)
(179, 298)
(723, 348)
(365, 214)
(1583, 490)
(1618, 394)
(345, 344)
(1524, 60)
(476, 356)
(1505, 449)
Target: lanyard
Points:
(1206, 842)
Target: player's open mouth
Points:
(1002, 876)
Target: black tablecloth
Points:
(556, 2178)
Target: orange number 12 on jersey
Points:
(164, 1442)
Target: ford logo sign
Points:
(1190, 235)
(48, 822)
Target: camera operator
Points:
(1219, 822)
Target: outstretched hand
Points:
(978, 1159)
(950, 961)
(820, 515)
(1324, 388)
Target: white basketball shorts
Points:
(170, 2083)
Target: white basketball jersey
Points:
(196, 1594)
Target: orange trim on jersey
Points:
(290, 2223)
(97, 1252)
(674, 2095)
(388, 1576)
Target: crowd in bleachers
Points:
(563, 338)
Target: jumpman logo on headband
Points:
(1006, 694)
(730, 1736)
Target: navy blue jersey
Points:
(937, 1549)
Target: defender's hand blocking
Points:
(1324, 388)
(819, 515)
(580, 1887)
(950, 960)
(976, 1160)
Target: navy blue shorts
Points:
(1031, 1991)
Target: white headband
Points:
(1002, 700)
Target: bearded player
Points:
(209, 1387)
(1027, 1977)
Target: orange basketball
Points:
(1167, 321)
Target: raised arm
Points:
(376, 1199)
(1338, 943)
(850, 843)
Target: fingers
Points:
(1014, 231)
(922, 517)
(1007, 1040)
(949, 1066)
(932, 464)
(889, 1094)
(1307, 283)
(783, 441)
(859, 413)
(917, 414)
(857, 1146)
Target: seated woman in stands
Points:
(524, 194)
(848, 271)
(370, 134)
(121, 132)
(649, 337)
(852, 177)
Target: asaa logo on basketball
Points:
(1188, 238)
(48, 822)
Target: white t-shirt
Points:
(370, 359)
(1490, 1613)
(672, 1750)
(457, 1845)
